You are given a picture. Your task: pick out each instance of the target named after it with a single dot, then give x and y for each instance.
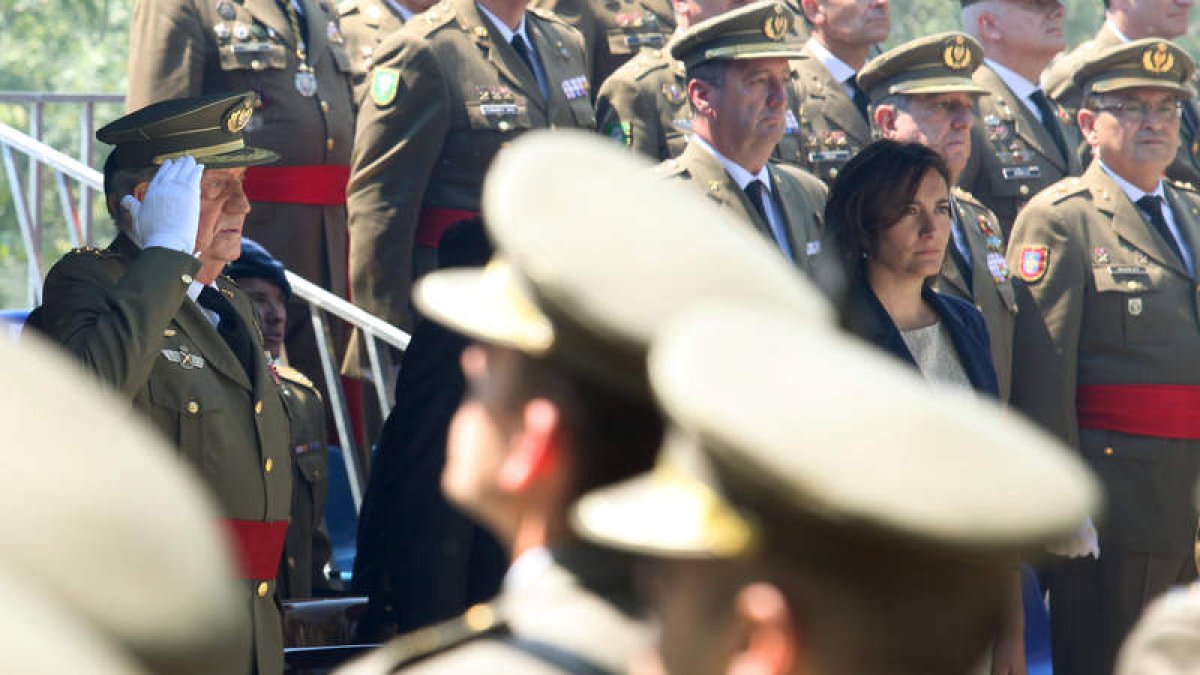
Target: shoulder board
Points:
(966, 197)
(1184, 185)
(546, 14)
(1063, 190)
(670, 167)
(346, 6)
(649, 61)
(229, 280)
(435, 17)
(292, 375)
(91, 250)
(478, 621)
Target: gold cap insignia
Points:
(957, 55)
(1158, 59)
(775, 27)
(238, 117)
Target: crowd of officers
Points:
(656, 386)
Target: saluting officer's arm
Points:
(168, 48)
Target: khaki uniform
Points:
(365, 23)
(1110, 304)
(801, 196)
(614, 30)
(446, 93)
(583, 604)
(1013, 157)
(307, 548)
(644, 104)
(1059, 84)
(831, 128)
(125, 313)
(990, 288)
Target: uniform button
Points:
(325, 106)
(256, 65)
(185, 278)
(505, 125)
(328, 144)
(291, 563)
(1108, 452)
(833, 173)
(258, 408)
(263, 589)
(980, 308)
(1024, 190)
(193, 407)
(269, 464)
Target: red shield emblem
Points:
(1033, 262)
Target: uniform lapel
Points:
(950, 272)
(502, 56)
(706, 170)
(1028, 126)
(318, 29)
(556, 61)
(1186, 219)
(789, 200)
(271, 14)
(1127, 219)
(836, 106)
(981, 275)
(193, 323)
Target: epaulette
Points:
(648, 61)
(478, 621)
(346, 6)
(1064, 189)
(1183, 185)
(92, 250)
(966, 197)
(543, 13)
(437, 16)
(292, 375)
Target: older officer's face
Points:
(1135, 131)
(1030, 26)
(1154, 18)
(223, 209)
(913, 246)
(855, 22)
(699, 10)
(940, 121)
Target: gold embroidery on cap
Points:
(776, 26)
(957, 55)
(238, 116)
(1158, 59)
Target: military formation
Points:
(676, 446)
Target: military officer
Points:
(614, 31)
(365, 23)
(792, 538)
(737, 84)
(1126, 20)
(306, 551)
(557, 401)
(293, 56)
(833, 110)
(155, 323)
(922, 92)
(1107, 343)
(644, 104)
(1022, 142)
(446, 92)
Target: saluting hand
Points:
(169, 213)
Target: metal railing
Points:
(69, 173)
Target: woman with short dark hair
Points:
(889, 218)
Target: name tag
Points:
(829, 156)
(1128, 271)
(249, 47)
(499, 109)
(654, 40)
(1021, 172)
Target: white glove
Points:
(169, 214)
(1083, 543)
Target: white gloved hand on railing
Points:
(169, 213)
(1083, 543)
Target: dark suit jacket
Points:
(864, 316)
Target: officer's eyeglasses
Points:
(1136, 113)
(218, 187)
(941, 111)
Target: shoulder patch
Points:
(385, 82)
(1033, 262)
(292, 375)
(618, 131)
(478, 621)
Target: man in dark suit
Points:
(151, 317)
(737, 83)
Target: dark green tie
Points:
(230, 327)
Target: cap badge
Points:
(957, 55)
(238, 117)
(1158, 59)
(775, 27)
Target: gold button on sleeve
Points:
(263, 589)
(1108, 452)
(1024, 189)
(328, 145)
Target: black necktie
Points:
(859, 97)
(1189, 123)
(1049, 120)
(755, 191)
(960, 261)
(523, 51)
(1152, 207)
(230, 327)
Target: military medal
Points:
(306, 80)
(226, 11)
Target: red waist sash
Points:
(313, 184)
(434, 221)
(1160, 410)
(258, 546)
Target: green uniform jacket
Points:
(1112, 305)
(365, 23)
(125, 313)
(613, 31)
(831, 128)
(582, 603)
(801, 195)
(444, 96)
(644, 104)
(1058, 84)
(181, 48)
(307, 549)
(990, 288)
(1013, 157)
